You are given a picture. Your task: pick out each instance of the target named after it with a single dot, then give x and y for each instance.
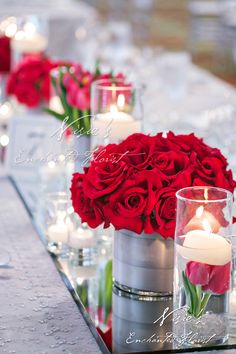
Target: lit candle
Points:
(58, 232)
(28, 40)
(81, 238)
(116, 125)
(197, 222)
(205, 247)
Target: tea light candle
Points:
(205, 247)
(81, 238)
(58, 232)
(115, 125)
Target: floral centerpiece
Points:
(29, 82)
(72, 84)
(132, 186)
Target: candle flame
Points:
(206, 225)
(206, 194)
(121, 101)
(199, 211)
(113, 108)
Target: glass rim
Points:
(132, 86)
(228, 194)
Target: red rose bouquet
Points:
(29, 82)
(132, 185)
(5, 54)
(72, 83)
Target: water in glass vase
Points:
(201, 317)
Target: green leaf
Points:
(206, 298)
(199, 299)
(54, 84)
(188, 294)
(86, 120)
(55, 114)
(97, 68)
(108, 288)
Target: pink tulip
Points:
(213, 278)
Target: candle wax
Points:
(58, 232)
(204, 247)
(81, 238)
(115, 126)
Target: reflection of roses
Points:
(212, 278)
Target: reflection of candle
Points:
(58, 232)
(205, 247)
(116, 125)
(81, 238)
(197, 222)
(28, 40)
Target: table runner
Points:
(37, 313)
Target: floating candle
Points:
(204, 247)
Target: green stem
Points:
(196, 300)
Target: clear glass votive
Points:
(58, 222)
(31, 37)
(81, 242)
(203, 257)
(117, 111)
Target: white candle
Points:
(115, 126)
(55, 104)
(205, 247)
(81, 238)
(58, 232)
(29, 41)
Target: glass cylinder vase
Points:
(58, 223)
(203, 254)
(31, 37)
(117, 112)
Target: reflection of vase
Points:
(81, 152)
(137, 323)
(143, 264)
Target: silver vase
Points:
(143, 264)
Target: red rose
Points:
(139, 148)
(211, 171)
(26, 94)
(131, 204)
(170, 162)
(106, 173)
(212, 278)
(5, 54)
(165, 211)
(30, 81)
(88, 210)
